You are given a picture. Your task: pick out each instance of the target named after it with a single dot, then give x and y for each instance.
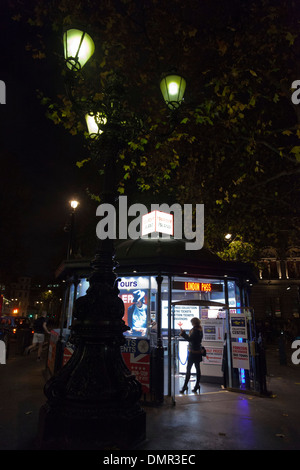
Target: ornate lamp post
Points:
(93, 401)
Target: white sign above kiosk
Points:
(157, 221)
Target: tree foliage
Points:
(236, 147)
(238, 250)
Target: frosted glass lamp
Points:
(173, 88)
(78, 48)
(93, 121)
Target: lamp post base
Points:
(93, 401)
(115, 429)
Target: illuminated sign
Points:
(182, 315)
(238, 326)
(157, 221)
(197, 286)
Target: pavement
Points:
(215, 419)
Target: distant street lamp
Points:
(93, 402)
(74, 204)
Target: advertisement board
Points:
(182, 315)
(240, 355)
(213, 355)
(213, 330)
(136, 355)
(238, 326)
(135, 294)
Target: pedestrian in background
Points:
(39, 328)
(195, 357)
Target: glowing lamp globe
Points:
(93, 121)
(74, 204)
(78, 48)
(173, 88)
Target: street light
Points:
(94, 122)
(173, 87)
(70, 227)
(93, 401)
(78, 48)
(74, 204)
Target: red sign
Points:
(68, 352)
(136, 355)
(198, 286)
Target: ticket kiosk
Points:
(162, 286)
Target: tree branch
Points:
(266, 144)
(275, 177)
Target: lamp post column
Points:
(93, 401)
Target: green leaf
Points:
(252, 101)
(290, 38)
(80, 164)
(296, 151)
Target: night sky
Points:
(39, 175)
(38, 162)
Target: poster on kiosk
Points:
(136, 351)
(135, 293)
